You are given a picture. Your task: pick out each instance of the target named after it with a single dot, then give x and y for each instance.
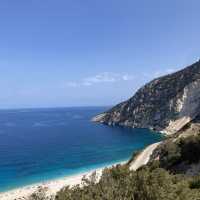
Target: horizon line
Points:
(54, 107)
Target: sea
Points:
(43, 144)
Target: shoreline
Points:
(51, 187)
(144, 156)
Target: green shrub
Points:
(195, 183)
(190, 149)
(151, 182)
(148, 183)
(170, 155)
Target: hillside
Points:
(166, 104)
(172, 174)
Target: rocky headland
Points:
(167, 104)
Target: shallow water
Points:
(42, 144)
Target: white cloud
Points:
(127, 77)
(159, 73)
(71, 84)
(105, 77)
(164, 72)
(110, 77)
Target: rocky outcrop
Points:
(166, 104)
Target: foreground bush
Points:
(185, 151)
(148, 183)
(156, 181)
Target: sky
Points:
(58, 53)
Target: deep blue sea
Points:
(42, 144)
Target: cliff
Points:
(166, 104)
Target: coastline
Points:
(51, 187)
(144, 156)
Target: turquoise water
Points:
(42, 144)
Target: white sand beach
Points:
(143, 157)
(51, 187)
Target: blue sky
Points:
(92, 52)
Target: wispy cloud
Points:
(164, 72)
(110, 77)
(71, 84)
(159, 73)
(105, 77)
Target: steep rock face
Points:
(165, 104)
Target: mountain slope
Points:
(165, 104)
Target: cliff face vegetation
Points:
(166, 178)
(180, 156)
(165, 104)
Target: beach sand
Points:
(51, 187)
(144, 157)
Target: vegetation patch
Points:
(156, 181)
